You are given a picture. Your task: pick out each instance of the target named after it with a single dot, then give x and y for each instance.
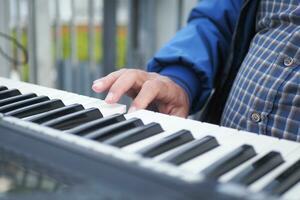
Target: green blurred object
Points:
(82, 46)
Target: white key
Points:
(198, 129)
(66, 97)
(166, 121)
(145, 115)
(106, 109)
(225, 136)
(201, 162)
(293, 193)
(173, 124)
(262, 145)
(228, 142)
(290, 158)
(141, 144)
(9, 83)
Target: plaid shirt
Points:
(265, 97)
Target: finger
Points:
(106, 82)
(123, 84)
(164, 108)
(179, 111)
(148, 93)
(174, 109)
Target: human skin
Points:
(145, 88)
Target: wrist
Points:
(185, 78)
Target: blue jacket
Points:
(206, 54)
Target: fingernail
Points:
(109, 97)
(96, 81)
(98, 85)
(132, 109)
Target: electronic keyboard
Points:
(61, 145)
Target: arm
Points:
(186, 64)
(193, 56)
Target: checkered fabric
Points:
(265, 97)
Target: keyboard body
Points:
(89, 167)
(94, 173)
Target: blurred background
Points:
(70, 43)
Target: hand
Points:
(145, 88)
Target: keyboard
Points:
(143, 154)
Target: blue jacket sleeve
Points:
(193, 56)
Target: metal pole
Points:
(91, 33)
(4, 44)
(148, 24)
(109, 35)
(91, 69)
(40, 59)
(58, 35)
(58, 57)
(19, 32)
(142, 39)
(133, 35)
(73, 33)
(71, 75)
(180, 14)
(31, 34)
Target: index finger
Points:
(103, 84)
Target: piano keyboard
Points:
(184, 149)
(67, 98)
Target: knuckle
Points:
(117, 73)
(122, 84)
(111, 76)
(104, 80)
(152, 86)
(166, 79)
(141, 72)
(122, 70)
(118, 84)
(130, 73)
(151, 83)
(153, 75)
(138, 73)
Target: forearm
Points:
(199, 49)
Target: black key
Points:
(3, 88)
(23, 103)
(14, 99)
(259, 168)
(74, 119)
(229, 161)
(114, 129)
(9, 93)
(89, 127)
(134, 135)
(285, 180)
(191, 150)
(36, 108)
(54, 114)
(167, 143)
